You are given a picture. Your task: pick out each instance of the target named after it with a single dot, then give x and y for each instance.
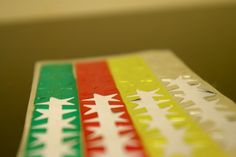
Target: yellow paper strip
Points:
(163, 125)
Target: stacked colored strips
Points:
(115, 107)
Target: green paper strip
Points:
(55, 126)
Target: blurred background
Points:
(201, 32)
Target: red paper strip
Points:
(107, 127)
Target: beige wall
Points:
(204, 37)
(15, 11)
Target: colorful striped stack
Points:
(146, 104)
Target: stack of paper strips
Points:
(145, 104)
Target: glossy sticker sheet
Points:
(124, 107)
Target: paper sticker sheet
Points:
(126, 106)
